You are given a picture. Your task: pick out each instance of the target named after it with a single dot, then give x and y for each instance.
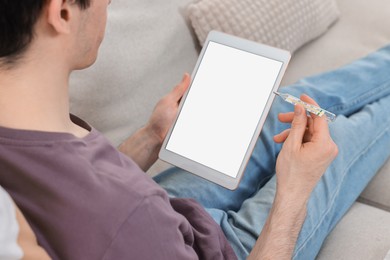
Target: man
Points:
(86, 200)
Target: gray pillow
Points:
(287, 24)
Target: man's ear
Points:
(59, 13)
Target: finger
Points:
(286, 117)
(289, 116)
(280, 138)
(310, 124)
(320, 125)
(298, 127)
(309, 100)
(181, 88)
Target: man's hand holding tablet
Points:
(222, 113)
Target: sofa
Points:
(150, 44)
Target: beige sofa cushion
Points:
(287, 24)
(363, 233)
(377, 193)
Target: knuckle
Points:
(332, 149)
(335, 150)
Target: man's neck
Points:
(35, 97)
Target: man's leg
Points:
(363, 139)
(343, 91)
(259, 170)
(364, 145)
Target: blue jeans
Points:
(358, 94)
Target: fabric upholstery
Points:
(287, 24)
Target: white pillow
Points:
(9, 248)
(287, 24)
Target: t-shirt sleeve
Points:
(153, 231)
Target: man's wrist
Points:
(280, 232)
(298, 198)
(143, 147)
(154, 138)
(294, 202)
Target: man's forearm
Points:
(280, 232)
(142, 147)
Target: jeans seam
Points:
(338, 190)
(359, 99)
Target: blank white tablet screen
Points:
(223, 107)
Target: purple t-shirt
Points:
(86, 200)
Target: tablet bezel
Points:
(199, 169)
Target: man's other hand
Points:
(143, 146)
(166, 110)
(307, 151)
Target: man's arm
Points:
(280, 232)
(307, 152)
(144, 145)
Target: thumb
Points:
(298, 126)
(181, 88)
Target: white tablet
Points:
(221, 115)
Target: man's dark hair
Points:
(17, 21)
